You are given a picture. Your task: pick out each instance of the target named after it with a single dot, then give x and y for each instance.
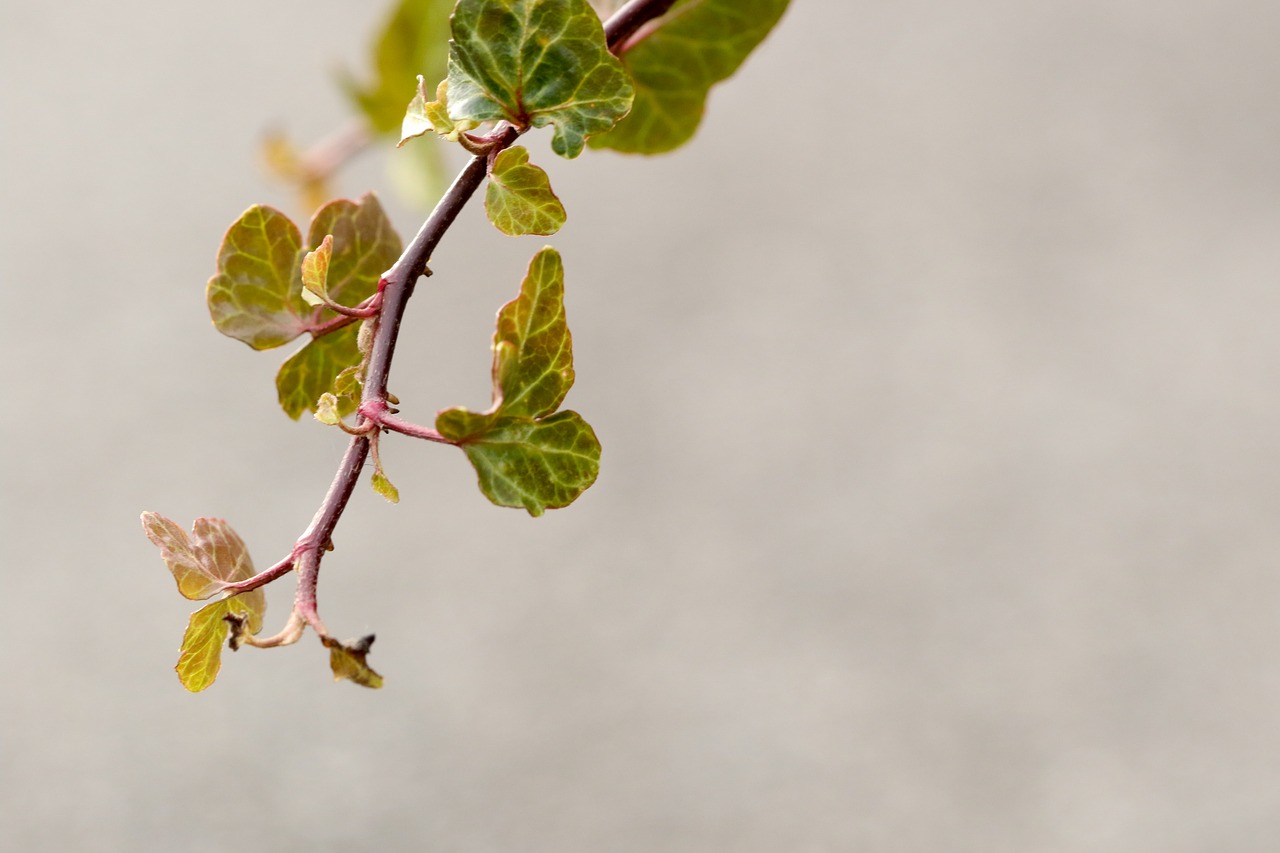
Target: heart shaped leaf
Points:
(519, 198)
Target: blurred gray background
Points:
(937, 381)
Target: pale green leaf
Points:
(350, 660)
(536, 63)
(256, 295)
(425, 116)
(676, 60)
(519, 198)
(327, 409)
(204, 562)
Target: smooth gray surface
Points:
(938, 386)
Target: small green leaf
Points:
(315, 272)
(384, 487)
(207, 631)
(676, 62)
(519, 199)
(348, 383)
(204, 562)
(413, 41)
(312, 371)
(524, 455)
(425, 116)
(536, 63)
(256, 296)
(350, 660)
(535, 464)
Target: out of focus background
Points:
(939, 386)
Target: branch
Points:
(395, 289)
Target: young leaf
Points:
(524, 455)
(413, 41)
(207, 630)
(349, 660)
(425, 116)
(364, 245)
(676, 62)
(385, 487)
(204, 562)
(315, 272)
(519, 199)
(539, 63)
(255, 295)
(327, 409)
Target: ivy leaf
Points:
(255, 296)
(207, 630)
(349, 660)
(327, 410)
(204, 562)
(519, 198)
(524, 455)
(539, 63)
(363, 246)
(536, 464)
(677, 60)
(412, 42)
(425, 116)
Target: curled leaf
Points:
(350, 660)
(425, 116)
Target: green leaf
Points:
(255, 296)
(539, 63)
(207, 631)
(314, 369)
(425, 116)
(384, 487)
(349, 660)
(204, 562)
(413, 41)
(315, 272)
(524, 455)
(519, 199)
(535, 464)
(676, 61)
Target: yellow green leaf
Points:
(204, 562)
(385, 487)
(201, 656)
